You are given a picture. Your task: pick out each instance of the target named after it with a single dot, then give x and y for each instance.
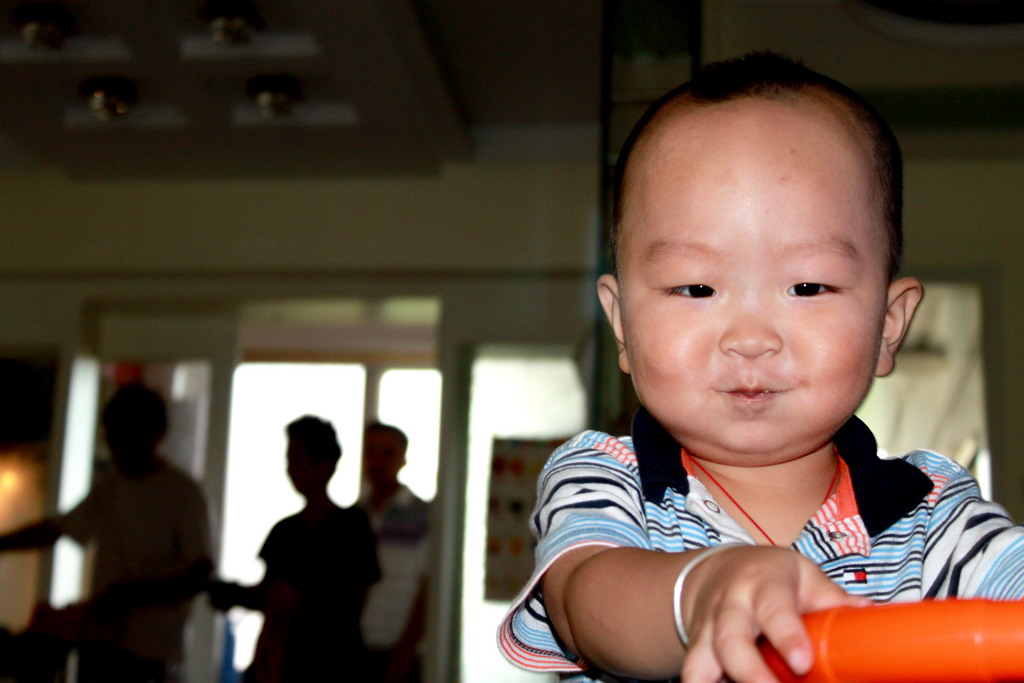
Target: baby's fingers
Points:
(700, 664)
(782, 623)
(724, 648)
(818, 592)
(783, 627)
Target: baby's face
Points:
(751, 302)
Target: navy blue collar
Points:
(886, 490)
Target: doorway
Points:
(348, 361)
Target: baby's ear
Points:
(904, 296)
(608, 293)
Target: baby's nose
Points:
(751, 335)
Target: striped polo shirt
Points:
(895, 530)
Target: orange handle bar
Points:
(935, 641)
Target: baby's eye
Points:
(808, 289)
(694, 291)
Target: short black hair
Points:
(318, 436)
(770, 76)
(389, 429)
(136, 411)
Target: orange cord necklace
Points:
(746, 514)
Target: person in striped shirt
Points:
(753, 296)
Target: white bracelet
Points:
(677, 590)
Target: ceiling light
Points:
(108, 97)
(275, 94)
(231, 22)
(45, 25)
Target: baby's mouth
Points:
(753, 395)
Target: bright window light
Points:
(265, 398)
(410, 399)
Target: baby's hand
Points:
(736, 595)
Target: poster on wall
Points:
(515, 467)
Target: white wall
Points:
(469, 218)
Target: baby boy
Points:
(754, 296)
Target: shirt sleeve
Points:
(271, 550)
(973, 549)
(589, 493)
(82, 521)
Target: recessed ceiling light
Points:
(45, 25)
(231, 22)
(108, 97)
(275, 94)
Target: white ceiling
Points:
(391, 86)
(405, 86)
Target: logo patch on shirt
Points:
(855, 575)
